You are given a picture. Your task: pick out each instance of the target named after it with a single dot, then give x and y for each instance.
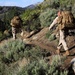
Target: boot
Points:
(67, 53)
(58, 51)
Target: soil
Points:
(40, 40)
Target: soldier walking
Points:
(16, 24)
(65, 21)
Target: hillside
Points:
(39, 39)
(19, 10)
(6, 9)
(34, 53)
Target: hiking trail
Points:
(40, 40)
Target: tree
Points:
(30, 19)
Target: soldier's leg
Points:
(63, 41)
(59, 45)
(14, 32)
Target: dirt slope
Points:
(40, 40)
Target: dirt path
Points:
(39, 39)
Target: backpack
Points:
(66, 20)
(16, 22)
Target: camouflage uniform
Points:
(16, 26)
(62, 41)
(14, 32)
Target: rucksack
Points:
(16, 22)
(66, 20)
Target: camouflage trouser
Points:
(62, 41)
(14, 32)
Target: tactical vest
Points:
(66, 21)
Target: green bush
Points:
(64, 2)
(57, 60)
(41, 67)
(30, 19)
(13, 50)
(2, 36)
(50, 36)
(8, 70)
(33, 54)
(12, 70)
(73, 11)
(2, 68)
(47, 17)
(50, 4)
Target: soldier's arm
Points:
(53, 23)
